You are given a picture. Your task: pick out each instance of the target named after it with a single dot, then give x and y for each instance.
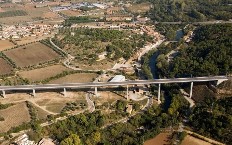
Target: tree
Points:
(96, 137)
(73, 139)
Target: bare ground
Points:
(106, 96)
(190, 140)
(48, 102)
(161, 139)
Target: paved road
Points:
(104, 84)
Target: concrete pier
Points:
(191, 90)
(159, 94)
(33, 93)
(3, 94)
(65, 93)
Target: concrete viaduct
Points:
(218, 79)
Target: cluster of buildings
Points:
(76, 6)
(20, 31)
(110, 12)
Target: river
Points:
(152, 64)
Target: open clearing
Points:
(46, 102)
(190, 140)
(31, 54)
(139, 8)
(14, 116)
(161, 139)
(5, 44)
(34, 14)
(5, 68)
(43, 73)
(106, 96)
(55, 104)
(75, 78)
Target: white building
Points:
(101, 6)
(118, 78)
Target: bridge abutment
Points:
(220, 81)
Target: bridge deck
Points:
(104, 84)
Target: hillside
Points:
(191, 10)
(210, 53)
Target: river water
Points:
(152, 65)
(152, 61)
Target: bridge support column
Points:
(159, 94)
(191, 90)
(33, 93)
(96, 94)
(127, 93)
(3, 94)
(64, 93)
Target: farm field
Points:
(33, 14)
(161, 139)
(31, 54)
(75, 78)
(14, 116)
(5, 44)
(43, 73)
(190, 140)
(13, 13)
(5, 68)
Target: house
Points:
(24, 140)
